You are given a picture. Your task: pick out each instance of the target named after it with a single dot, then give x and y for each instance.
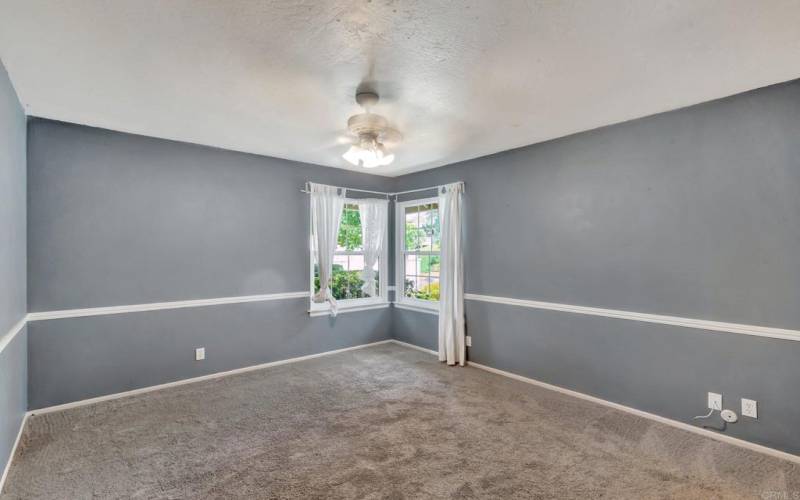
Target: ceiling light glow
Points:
(368, 153)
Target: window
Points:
(418, 253)
(348, 265)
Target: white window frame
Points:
(401, 301)
(351, 305)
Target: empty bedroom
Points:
(365, 249)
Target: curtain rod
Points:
(417, 190)
(387, 195)
(306, 190)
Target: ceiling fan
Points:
(372, 135)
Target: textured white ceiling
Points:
(459, 79)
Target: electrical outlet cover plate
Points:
(468, 341)
(749, 408)
(200, 354)
(715, 401)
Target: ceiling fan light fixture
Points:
(353, 155)
(368, 153)
(371, 131)
(388, 159)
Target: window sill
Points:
(326, 311)
(418, 308)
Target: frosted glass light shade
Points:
(370, 157)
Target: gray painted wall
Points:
(79, 358)
(416, 328)
(13, 358)
(12, 206)
(690, 213)
(13, 393)
(121, 219)
(118, 219)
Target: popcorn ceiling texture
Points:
(458, 80)
(381, 422)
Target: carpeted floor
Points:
(381, 422)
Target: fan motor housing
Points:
(366, 123)
(367, 98)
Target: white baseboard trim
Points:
(158, 306)
(412, 346)
(13, 452)
(652, 416)
(6, 339)
(143, 390)
(701, 324)
(664, 420)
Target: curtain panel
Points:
(374, 218)
(452, 348)
(326, 215)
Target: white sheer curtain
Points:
(452, 349)
(326, 215)
(374, 217)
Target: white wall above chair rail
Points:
(700, 324)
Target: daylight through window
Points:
(348, 261)
(420, 261)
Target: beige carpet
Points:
(381, 422)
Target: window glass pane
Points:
(429, 225)
(411, 286)
(422, 284)
(422, 235)
(424, 225)
(411, 264)
(425, 215)
(432, 291)
(436, 264)
(435, 228)
(340, 262)
(424, 290)
(422, 287)
(350, 229)
(356, 263)
(346, 280)
(412, 228)
(424, 240)
(428, 264)
(346, 284)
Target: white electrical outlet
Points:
(749, 408)
(715, 401)
(468, 341)
(200, 354)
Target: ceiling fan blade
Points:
(345, 139)
(390, 137)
